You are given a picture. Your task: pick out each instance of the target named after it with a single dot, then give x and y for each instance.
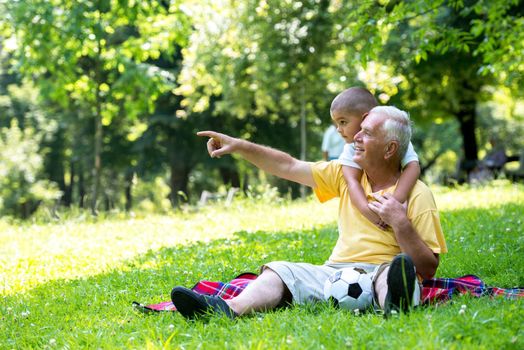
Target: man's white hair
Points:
(396, 127)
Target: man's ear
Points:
(391, 149)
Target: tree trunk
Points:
(68, 192)
(303, 141)
(179, 178)
(178, 182)
(230, 176)
(81, 188)
(467, 120)
(128, 190)
(97, 160)
(98, 136)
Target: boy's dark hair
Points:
(355, 101)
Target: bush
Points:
(152, 196)
(21, 188)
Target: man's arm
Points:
(270, 160)
(393, 213)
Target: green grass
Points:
(70, 284)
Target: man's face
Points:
(370, 142)
(347, 125)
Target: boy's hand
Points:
(219, 144)
(374, 218)
(381, 225)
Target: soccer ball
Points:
(349, 289)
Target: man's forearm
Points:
(410, 243)
(276, 162)
(268, 159)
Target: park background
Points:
(102, 175)
(100, 100)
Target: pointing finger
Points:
(208, 133)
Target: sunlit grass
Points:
(36, 253)
(70, 283)
(495, 194)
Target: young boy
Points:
(347, 111)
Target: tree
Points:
(266, 64)
(92, 57)
(441, 49)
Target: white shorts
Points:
(306, 281)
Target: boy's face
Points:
(347, 125)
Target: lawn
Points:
(70, 283)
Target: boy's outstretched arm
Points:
(357, 195)
(270, 160)
(406, 182)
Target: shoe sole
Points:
(189, 305)
(401, 284)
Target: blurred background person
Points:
(332, 144)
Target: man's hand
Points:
(394, 214)
(219, 144)
(389, 209)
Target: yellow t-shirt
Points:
(361, 241)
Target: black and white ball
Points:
(349, 289)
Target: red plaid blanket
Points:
(442, 289)
(433, 291)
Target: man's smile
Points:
(359, 149)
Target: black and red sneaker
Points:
(192, 305)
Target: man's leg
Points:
(381, 286)
(279, 282)
(264, 293)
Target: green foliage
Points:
(86, 51)
(256, 56)
(501, 119)
(22, 188)
(93, 62)
(152, 196)
(124, 85)
(489, 30)
(439, 49)
(265, 63)
(71, 283)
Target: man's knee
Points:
(272, 278)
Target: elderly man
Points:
(410, 246)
